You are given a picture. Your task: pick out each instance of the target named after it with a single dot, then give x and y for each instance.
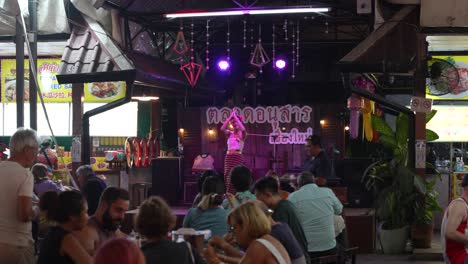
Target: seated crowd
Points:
(265, 222)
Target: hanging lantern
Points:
(354, 105)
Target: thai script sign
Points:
(274, 115)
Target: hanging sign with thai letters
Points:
(274, 115)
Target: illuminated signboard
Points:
(450, 123)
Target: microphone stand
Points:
(274, 136)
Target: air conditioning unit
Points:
(447, 13)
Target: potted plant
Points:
(395, 186)
(425, 206)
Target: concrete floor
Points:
(419, 256)
(392, 259)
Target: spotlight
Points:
(280, 64)
(346, 128)
(210, 131)
(181, 130)
(322, 122)
(223, 65)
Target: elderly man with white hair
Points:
(16, 191)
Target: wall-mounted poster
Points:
(51, 90)
(446, 85)
(103, 91)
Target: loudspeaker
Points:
(350, 171)
(167, 178)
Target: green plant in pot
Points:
(425, 206)
(395, 186)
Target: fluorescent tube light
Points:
(298, 10)
(289, 11)
(206, 14)
(145, 98)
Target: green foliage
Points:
(426, 204)
(430, 115)
(401, 195)
(431, 135)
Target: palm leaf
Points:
(388, 141)
(402, 131)
(381, 126)
(431, 135)
(430, 115)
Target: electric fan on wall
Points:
(443, 77)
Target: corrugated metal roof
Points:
(91, 55)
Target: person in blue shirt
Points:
(316, 207)
(209, 215)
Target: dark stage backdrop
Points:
(294, 123)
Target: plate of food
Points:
(105, 90)
(10, 90)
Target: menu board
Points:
(52, 91)
(450, 123)
(460, 92)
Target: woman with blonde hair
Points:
(251, 228)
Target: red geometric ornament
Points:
(180, 45)
(192, 71)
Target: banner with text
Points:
(51, 90)
(274, 115)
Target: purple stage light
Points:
(280, 64)
(223, 65)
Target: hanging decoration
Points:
(245, 34)
(192, 71)
(207, 57)
(251, 40)
(192, 42)
(356, 104)
(293, 75)
(285, 28)
(297, 43)
(180, 45)
(367, 110)
(273, 47)
(228, 42)
(259, 57)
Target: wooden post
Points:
(77, 113)
(420, 91)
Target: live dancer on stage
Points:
(235, 143)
